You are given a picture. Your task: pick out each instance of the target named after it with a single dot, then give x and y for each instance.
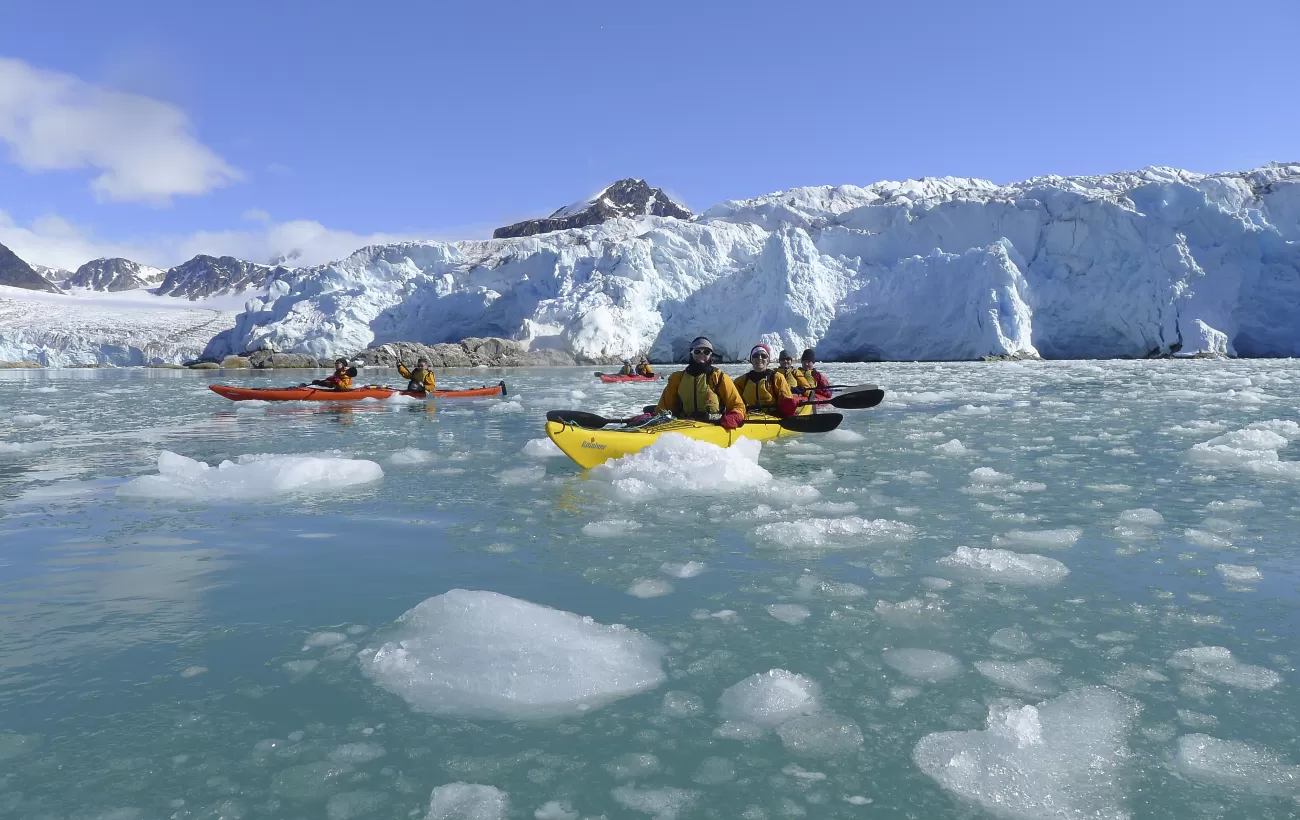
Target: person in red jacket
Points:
(814, 376)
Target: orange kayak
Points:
(356, 394)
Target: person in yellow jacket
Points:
(643, 368)
(703, 392)
(794, 377)
(421, 378)
(341, 380)
(765, 390)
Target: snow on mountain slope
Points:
(114, 275)
(205, 276)
(1127, 264)
(123, 328)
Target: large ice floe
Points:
(675, 463)
(1062, 759)
(249, 477)
(1252, 449)
(1125, 264)
(480, 654)
(1004, 567)
(1236, 765)
(468, 801)
(791, 705)
(1216, 664)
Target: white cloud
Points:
(144, 148)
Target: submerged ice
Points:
(249, 477)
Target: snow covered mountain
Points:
(625, 198)
(1129, 264)
(52, 275)
(205, 276)
(16, 273)
(114, 275)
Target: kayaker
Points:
(421, 378)
(643, 368)
(813, 376)
(793, 376)
(627, 368)
(763, 389)
(340, 380)
(703, 392)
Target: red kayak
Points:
(609, 378)
(356, 394)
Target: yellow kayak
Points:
(591, 447)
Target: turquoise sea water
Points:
(172, 655)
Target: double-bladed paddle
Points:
(820, 423)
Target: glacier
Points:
(1153, 262)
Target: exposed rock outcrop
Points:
(487, 352)
(627, 197)
(16, 273)
(114, 275)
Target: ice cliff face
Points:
(205, 276)
(1126, 264)
(114, 275)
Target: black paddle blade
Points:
(859, 399)
(849, 387)
(503, 387)
(818, 423)
(578, 417)
(352, 372)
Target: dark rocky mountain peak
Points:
(113, 275)
(627, 197)
(16, 273)
(205, 276)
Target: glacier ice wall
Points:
(1127, 264)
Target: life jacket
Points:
(761, 394)
(810, 374)
(644, 370)
(626, 370)
(419, 378)
(697, 396)
(793, 377)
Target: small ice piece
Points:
(650, 588)
(841, 435)
(1143, 516)
(1196, 720)
(610, 528)
(925, 665)
(811, 587)
(666, 803)
(633, 766)
(789, 613)
(319, 639)
(1209, 540)
(21, 448)
(480, 654)
(857, 800)
(1215, 663)
(988, 475)
(542, 448)
(410, 455)
(468, 801)
(13, 744)
(1236, 765)
(770, 698)
(1005, 567)
(820, 735)
(1032, 676)
(520, 476)
(1061, 759)
(249, 477)
(1012, 639)
(676, 464)
(193, 671)
(1237, 574)
(28, 419)
(512, 406)
(1116, 637)
(936, 583)
(1252, 449)
(298, 669)
(682, 704)
(555, 809)
(912, 613)
(833, 534)
(357, 753)
(345, 806)
(1061, 539)
(689, 569)
(309, 781)
(953, 448)
(714, 771)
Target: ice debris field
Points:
(1015, 590)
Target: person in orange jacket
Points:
(703, 392)
(816, 381)
(340, 380)
(765, 390)
(420, 380)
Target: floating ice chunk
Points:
(820, 735)
(357, 753)
(299, 669)
(826, 534)
(249, 477)
(913, 613)
(677, 464)
(193, 671)
(1234, 505)
(988, 475)
(345, 806)
(468, 801)
(542, 448)
(1061, 539)
(1012, 639)
(633, 766)
(841, 435)
(1061, 759)
(1236, 765)
(1032, 676)
(610, 528)
(689, 569)
(1209, 540)
(770, 698)
(410, 455)
(1196, 720)
(1005, 567)
(512, 406)
(1215, 663)
(13, 744)
(789, 613)
(714, 771)
(1143, 516)
(810, 586)
(953, 448)
(519, 476)
(649, 588)
(682, 704)
(1116, 637)
(1252, 449)
(923, 664)
(662, 804)
(24, 448)
(309, 781)
(1238, 574)
(555, 809)
(484, 655)
(318, 639)
(28, 419)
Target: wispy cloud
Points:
(144, 149)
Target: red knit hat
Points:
(766, 350)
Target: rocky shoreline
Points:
(473, 352)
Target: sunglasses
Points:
(759, 356)
(700, 351)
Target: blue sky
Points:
(248, 127)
